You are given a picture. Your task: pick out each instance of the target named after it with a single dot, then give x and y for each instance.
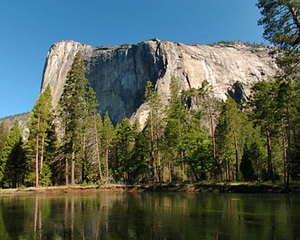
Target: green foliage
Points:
(262, 139)
(246, 162)
(12, 161)
(122, 145)
(46, 176)
(90, 137)
(274, 110)
(107, 131)
(72, 103)
(263, 104)
(153, 131)
(280, 19)
(139, 153)
(175, 122)
(77, 106)
(228, 132)
(41, 142)
(198, 150)
(176, 119)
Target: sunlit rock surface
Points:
(119, 74)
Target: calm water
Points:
(149, 216)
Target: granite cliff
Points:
(118, 74)
(22, 118)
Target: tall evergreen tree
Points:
(41, 137)
(227, 133)
(175, 126)
(263, 104)
(138, 157)
(246, 163)
(72, 110)
(281, 22)
(107, 136)
(255, 144)
(48, 141)
(154, 124)
(12, 160)
(198, 150)
(207, 108)
(89, 137)
(287, 108)
(122, 145)
(211, 107)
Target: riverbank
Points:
(201, 187)
(206, 187)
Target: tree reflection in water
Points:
(99, 215)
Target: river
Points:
(105, 215)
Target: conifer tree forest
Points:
(194, 138)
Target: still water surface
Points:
(149, 216)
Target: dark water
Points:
(149, 216)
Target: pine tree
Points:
(281, 22)
(89, 136)
(154, 124)
(106, 136)
(49, 140)
(139, 165)
(41, 138)
(198, 150)
(122, 145)
(263, 104)
(207, 108)
(287, 109)
(280, 19)
(228, 131)
(12, 161)
(246, 163)
(255, 144)
(72, 111)
(175, 126)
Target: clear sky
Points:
(29, 27)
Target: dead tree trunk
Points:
(97, 150)
(73, 165)
(37, 154)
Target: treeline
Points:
(194, 138)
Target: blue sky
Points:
(29, 27)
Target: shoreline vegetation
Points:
(233, 187)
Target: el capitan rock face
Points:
(119, 74)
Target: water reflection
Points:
(149, 216)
